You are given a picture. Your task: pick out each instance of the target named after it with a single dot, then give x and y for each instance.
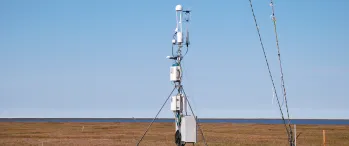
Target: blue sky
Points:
(89, 58)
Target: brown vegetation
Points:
(124, 134)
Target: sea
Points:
(169, 120)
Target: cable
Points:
(197, 123)
(270, 74)
(180, 64)
(281, 72)
(181, 69)
(178, 137)
(155, 117)
(279, 56)
(185, 52)
(172, 50)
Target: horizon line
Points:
(173, 118)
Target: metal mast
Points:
(186, 125)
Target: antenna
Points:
(187, 19)
(186, 124)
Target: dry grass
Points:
(124, 134)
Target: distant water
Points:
(167, 120)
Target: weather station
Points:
(186, 124)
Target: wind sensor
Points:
(186, 124)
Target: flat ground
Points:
(162, 134)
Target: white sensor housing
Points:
(175, 73)
(179, 8)
(179, 37)
(176, 103)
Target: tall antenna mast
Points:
(186, 124)
(186, 131)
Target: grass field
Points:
(162, 134)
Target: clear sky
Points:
(89, 58)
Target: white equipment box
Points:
(176, 103)
(175, 73)
(188, 129)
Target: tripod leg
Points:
(155, 117)
(194, 116)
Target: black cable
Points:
(281, 72)
(185, 52)
(270, 74)
(181, 70)
(155, 117)
(178, 137)
(172, 50)
(197, 123)
(279, 56)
